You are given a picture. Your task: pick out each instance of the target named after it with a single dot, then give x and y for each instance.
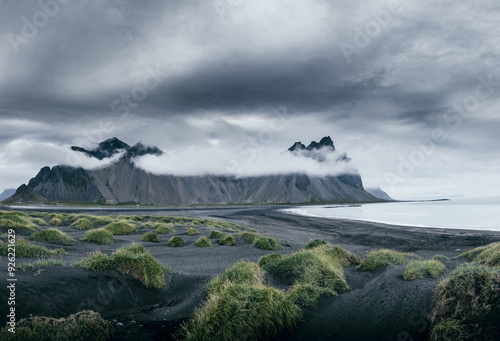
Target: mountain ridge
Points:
(123, 182)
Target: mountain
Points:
(24, 195)
(123, 182)
(7, 193)
(379, 193)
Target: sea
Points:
(471, 214)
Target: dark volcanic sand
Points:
(380, 306)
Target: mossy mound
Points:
(99, 236)
(378, 259)
(203, 242)
(53, 235)
(121, 228)
(150, 237)
(176, 241)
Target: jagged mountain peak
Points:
(325, 142)
(113, 146)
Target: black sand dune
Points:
(380, 306)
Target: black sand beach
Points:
(380, 305)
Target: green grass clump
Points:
(39, 221)
(164, 228)
(52, 235)
(203, 242)
(251, 237)
(150, 237)
(82, 224)
(27, 250)
(240, 273)
(55, 222)
(467, 304)
(241, 307)
(131, 260)
(420, 269)
(121, 228)
(440, 258)
(18, 221)
(85, 325)
(99, 236)
(227, 240)
(312, 273)
(44, 263)
(314, 243)
(376, 260)
(176, 241)
(489, 254)
(267, 243)
(192, 231)
(215, 234)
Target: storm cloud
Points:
(409, 89)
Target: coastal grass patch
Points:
(314, 243)
(215, 234)
(17, 221)
(55, 222)
(98, 236)
(25, 249)
(203, 242)
(121, 228)
(52, 235)
(150, 237)
(467, 304)
(312, 273)
(192, 231)
(420, 269)
(377, 259)
(164, 228)
(227, 240)
(176, 241)
(240, 307)
(82, 224)
(39, 221)
(440, 258)
(267, 243)
(132, 260)
(39, 264)
(85, 325)
(488, 254)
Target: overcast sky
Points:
(409, 89)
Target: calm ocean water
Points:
(474, 214)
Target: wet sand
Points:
(380, 305)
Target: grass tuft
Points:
(99, 236)
(489, 254)
(150, 237)
(314, 243)
(267, 243)
(240, 307)
(131, 260)
(55, 222)
(164, 228)
(192, 231)
(52, 235)
(44, 263)
(227, 240)
(312, 272)
(17, 221)
(176, 241)
(39, 221)
(420, 269)
(467, 304)
(121, 228)
(82, 224)
(28, 250)
(203, 242)
(85, 325)
(377, 259)
(215, 234)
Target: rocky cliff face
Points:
(122, 182)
